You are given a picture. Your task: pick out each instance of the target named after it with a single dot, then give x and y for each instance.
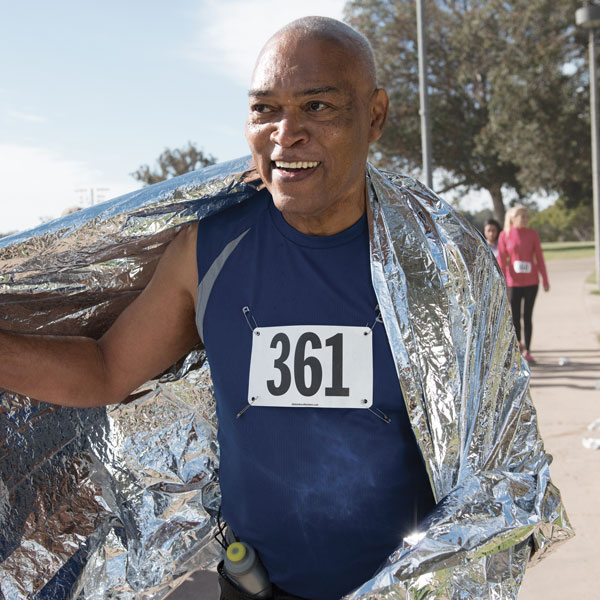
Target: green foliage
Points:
(540, 120)
(507, 93)
(560, 223)
(174, 162)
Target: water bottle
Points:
(244, 568)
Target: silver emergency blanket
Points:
(121, 502)
(592, 443)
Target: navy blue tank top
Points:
(323, 494)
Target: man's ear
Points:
(379, 110)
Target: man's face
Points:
(309, 126)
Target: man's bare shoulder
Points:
(178, 263)
(184, 243)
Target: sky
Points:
(89, 91)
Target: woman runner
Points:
(522, 261)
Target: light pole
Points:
(424, 100)
(589, 17)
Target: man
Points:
(320, 471)
(309, 127)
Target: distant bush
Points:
(557, 223)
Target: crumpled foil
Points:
(592, 443)
(121, 502)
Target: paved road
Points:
(566, 325)
(201, 585)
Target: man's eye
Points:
(260, 108)
(316, 106)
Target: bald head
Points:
(355, 45)
(314, 110)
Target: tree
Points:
(540, 121)
(174, 162)
(477, 219)
(507, 93)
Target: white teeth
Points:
(295, 165)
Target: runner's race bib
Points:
(311, 366)
(522, 266)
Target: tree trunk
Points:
(496, 194)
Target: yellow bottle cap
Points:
(236, 552)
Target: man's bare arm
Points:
(150, 335)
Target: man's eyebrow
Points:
(320, 90)
(310, 92)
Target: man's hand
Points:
(152, 333)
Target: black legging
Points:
(526, 293)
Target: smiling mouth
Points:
(296, 166)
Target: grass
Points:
(567, 250)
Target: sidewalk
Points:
(566, 325)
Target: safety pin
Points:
(250, 403)
(248, 315)
(379, 414)
(378, 318)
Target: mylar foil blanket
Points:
(121, 502)
(592, 443)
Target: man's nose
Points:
(289, 131)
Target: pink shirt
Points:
(521, 258)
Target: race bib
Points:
(522, 266)
(311, 365)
